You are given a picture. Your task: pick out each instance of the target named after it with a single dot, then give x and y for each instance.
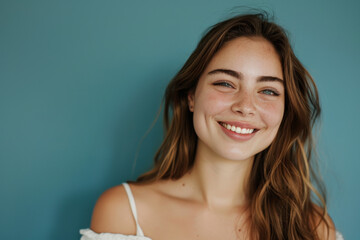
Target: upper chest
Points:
(192, 226)
(163, 218)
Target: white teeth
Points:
(238, 129)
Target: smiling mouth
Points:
(238, 129)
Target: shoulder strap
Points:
(139, 231)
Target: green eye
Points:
(270, 92)
(224, 84)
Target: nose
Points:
(243, 104)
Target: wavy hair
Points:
(282, 179)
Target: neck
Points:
(220, 183)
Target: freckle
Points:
(183, 184)
(239, 229)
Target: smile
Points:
(237, 129)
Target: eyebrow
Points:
(239, 75)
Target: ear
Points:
(191, 101)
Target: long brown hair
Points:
(282, 180)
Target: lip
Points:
(238, 136)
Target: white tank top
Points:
(139, 231)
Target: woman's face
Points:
(238, 104)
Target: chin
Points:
(236, 156)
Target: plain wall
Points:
(81, 82)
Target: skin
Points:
(254, 98)
(209, 201)
(221, 97)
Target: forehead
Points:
(253, 56)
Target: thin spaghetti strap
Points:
(139, 231)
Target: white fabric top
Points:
(88, 234)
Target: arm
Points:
(112, 213)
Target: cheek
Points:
(210, 103)
(272, 113)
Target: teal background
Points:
(81, 82)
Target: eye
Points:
(224, 84)
(270, 92)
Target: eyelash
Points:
(272, 92)
(227, 84)
(224, 84)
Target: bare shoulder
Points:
(112, 213)
(325, 227)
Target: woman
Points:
(235, 161)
